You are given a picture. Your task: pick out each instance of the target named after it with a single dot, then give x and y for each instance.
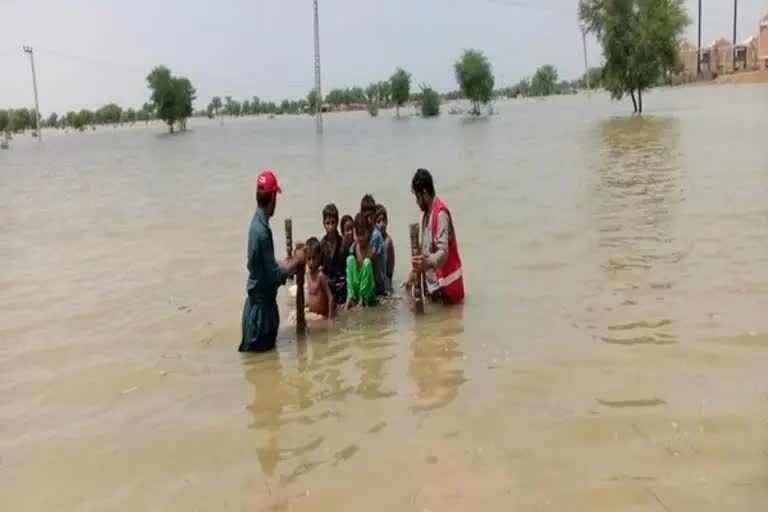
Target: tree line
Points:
(21, 119)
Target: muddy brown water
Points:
(611, 354)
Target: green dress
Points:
(361, 286)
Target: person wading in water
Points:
(439, 261)
(261, 318)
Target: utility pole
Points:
(318, 89)
(735, 17)
(586, 63)
(698, 50)
(31, 52)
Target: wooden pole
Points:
(416, 250)
(300, 319)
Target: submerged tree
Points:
(400, 87)
(172, 97)
(544, 81)
(640, 40)
(216, 105)
(430, 102)
(475, 78)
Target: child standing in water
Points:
(334, 258)
(382, 221)
(347, 234)
(319, 297)
(361, 264)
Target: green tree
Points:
(82, 119)
(430, 102)
(312, 101)
(640, 40)
(356, 95)
(385, 92)
(21, 119)
(130, 116)
(228, 105)
(400, 86)
(593, 77)
(52, 122)
(172, 97)
(235, 108)
(246, 107)
(109, 114)
(372, 93)
(335, 97)
(475, 78)
(216, 104)
(255, 105)
(544, 81)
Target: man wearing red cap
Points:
(261, 318)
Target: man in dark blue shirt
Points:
(261, 318)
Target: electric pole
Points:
(735, 11)
(318, 89)
(586, 63)
(31, 52)
(698, 51)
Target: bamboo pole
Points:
(300, 319)
(416, 250)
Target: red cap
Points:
(266, 182)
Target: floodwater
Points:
(611, 354)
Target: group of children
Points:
(353, 267)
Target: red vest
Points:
(450, 276)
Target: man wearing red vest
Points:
(440, 261)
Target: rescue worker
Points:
(439, 261)
(261, 318)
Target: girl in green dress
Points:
(361, 286)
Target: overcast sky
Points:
(92, 52)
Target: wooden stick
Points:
(416, 250)
(301, 323)
(289, 237)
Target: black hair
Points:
(381, 212)
(263, 198)
(367, 203)
(330, 212)
(361, 223)
(345, 219)
(314, 247)
(422, 182)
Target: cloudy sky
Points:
(90, 52)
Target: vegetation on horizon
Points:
(640, 40)
(172, 97)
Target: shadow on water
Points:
(437, 359)
(638, 197)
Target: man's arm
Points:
(437, 258)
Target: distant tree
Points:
(172, 97)
(475, 78)
(21, 119)
(228, 105)
(640, 40)
(430, 102)
(215, 104)
(356, 95)
(5, 121)
(385, 92)
(235, 108)
(372, 93)
(595, 78)
(400, 85)
(312, 101)
(285, 106)
(71, 119)
(83, 118)
(109, 114)
(544, 81)
(255, 105)
(130, 115)
(53, 120)
(246, 108)
(335, 97)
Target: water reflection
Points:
(436, 362)
(280, 399)
(638, 197)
